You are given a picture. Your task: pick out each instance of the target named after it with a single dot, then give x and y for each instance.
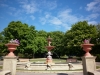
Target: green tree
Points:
(41, 42)
(74, 37)
(57, 37)
(1, 44)
(42, 33)
(95, 51)
(22, 32)
(98, 36)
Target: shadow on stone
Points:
(62, 74)
(94, 73)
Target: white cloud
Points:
(32, 6)
(22, 2)
(92, 22)
(92, 16)
(43, 20)
(93, 6)
(32, 17)
(29, 7)
(15, 12)
(67, 17)
(57, 27)
(55, 21)
(66, 26)
(80, 8)
(63, 19)
(50, 5)
(4, 5)
(12, 8)
(47, 16)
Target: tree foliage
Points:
(74, 37)
(22, 32)
(57, 37)
(33, 42)
(40, 41)
(98, 36)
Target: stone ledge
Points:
(6, 72)
(23, 60)
(94, 73)
(54, 67)
(71, 60)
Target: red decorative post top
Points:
(12, 45)
(49, 47)
(87, 46)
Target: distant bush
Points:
(20, 55)
(65, 56)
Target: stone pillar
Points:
(9, 63)
(89, 64)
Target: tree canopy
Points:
(75, 36)
(33, 42)
(22, 32)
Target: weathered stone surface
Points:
(9, 63)
(94, 73)
(6, 72)
(89, 64)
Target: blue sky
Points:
(49, 15)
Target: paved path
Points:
(30, 73)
